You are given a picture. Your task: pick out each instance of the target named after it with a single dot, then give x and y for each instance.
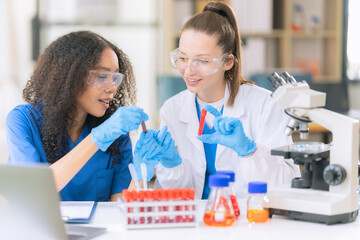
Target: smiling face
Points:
(95, 101)
(210, 88)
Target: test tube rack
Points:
(170, 213)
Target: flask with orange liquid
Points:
(257, 203)
(232, 192)
(219, 211)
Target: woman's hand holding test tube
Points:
(146, 149)
(230, 133)
(169, 157)
(122, 121)
(154, 147)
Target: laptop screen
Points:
(29, 205)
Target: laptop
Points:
(30, 206)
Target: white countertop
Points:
(109, 215)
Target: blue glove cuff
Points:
(170, 162)
(246, 150)
(103, 145)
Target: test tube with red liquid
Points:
(142, 209)
(202, 121)
(171, 208)
(143, 126)
(149, 197)
(190, 193)
(134, 197)
(156, 197)
(163, 208)
(177, 208)
(128, 198)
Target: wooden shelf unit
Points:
(327, 41)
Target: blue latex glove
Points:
(230, 133)
(154, 147)
(148, 146)
(122, 121)
(146, 151)
(170, 157)
(150, 165)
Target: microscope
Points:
(326, 191)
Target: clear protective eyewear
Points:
(104, 80)
(202, 66)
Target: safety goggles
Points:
(104, 80)
(202, 66)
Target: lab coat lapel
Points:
(188, 115)
(236, 111)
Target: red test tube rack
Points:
(158, 208)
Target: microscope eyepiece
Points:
(288, 78)
(276, 80)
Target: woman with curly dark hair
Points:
(76, 106)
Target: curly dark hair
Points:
(60, 76)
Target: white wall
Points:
(15, 65)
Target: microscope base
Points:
(318, 218)
(313, 205)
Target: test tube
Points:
(149, 198)
(183, 197)
(156, 197)
(191, 196)
(134, 197)
(143, 126)
(163, 208)
(170, 208)
(128, 198)
(177, 208)
(202, 121)
(142, 209)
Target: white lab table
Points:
(109, 215)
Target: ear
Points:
(229, 62)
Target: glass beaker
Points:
(232, 192)
(258, 203)
(298, 18)
(219, 211)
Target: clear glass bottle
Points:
(219, 211)
(298, 18)
(257, 203)
(314, 24)
(232, 192)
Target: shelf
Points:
(321, 34)
(272, 34)
(282, 48)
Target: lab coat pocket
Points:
(104, 179)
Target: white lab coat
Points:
(263, 120)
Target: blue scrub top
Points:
(210, 154)
(98, 179)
